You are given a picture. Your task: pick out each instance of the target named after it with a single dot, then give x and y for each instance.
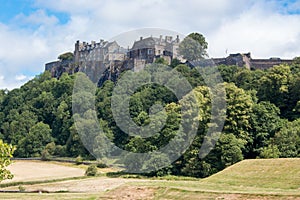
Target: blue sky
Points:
(11, 8)
(33, 32)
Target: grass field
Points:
(249, 179)
(36, 170)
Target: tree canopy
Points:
(6, 153)
(193, 47)
(262, 119)
(68, 56)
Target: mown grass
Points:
(260, 173)
(178, 194)
(270, 176)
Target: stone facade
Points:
(103, 51)
(241, 60)
(107, 60)
(147, 50)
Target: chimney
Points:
(141, 38)
(101, 42)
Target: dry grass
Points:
(260, 173)
(249, 179)
(37, 170)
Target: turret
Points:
(76, 52)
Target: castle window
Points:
(150, 51)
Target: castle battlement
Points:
(109, 59)
(242, 60)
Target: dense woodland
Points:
(262, 118)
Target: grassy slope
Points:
(267, 173)
(269, 178)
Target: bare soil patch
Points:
(90, 185)
(131, 193)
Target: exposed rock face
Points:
(107, 60)
(98, 72)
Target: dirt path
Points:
(37, 170)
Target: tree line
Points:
(262, 118)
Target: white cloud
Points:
(20, 77)
(39, 17)
(262, 27)
(7, 83)
(260, 31)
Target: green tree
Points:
(239, 109)
(274, 87)
(18, 125)
(62, 123)
(6, 153)
(175, 62)
(270, 151)
(228, 72)
(34, 143)
(66, 56)
(230, 149)
(161, 61)
(193, 47)
(265, 122)
(288, 140)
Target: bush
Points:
(60, 150)
(45, 155)
(101, 165)
(50, 147)
(91, 170)
(21, 188)
(78, 160)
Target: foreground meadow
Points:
(249, 179)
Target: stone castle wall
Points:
(107, 59)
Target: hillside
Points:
(248, 179)
(262, 173)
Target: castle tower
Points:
(76, 52)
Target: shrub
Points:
(21, 188)
(101, 165)
(45, 155)
(50, 147)
(91, 170)
(78, 160)
(60, 150)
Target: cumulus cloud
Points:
(259, 30)
(8, 83)
(266, 28)
(20, 77)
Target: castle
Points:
(97, 58)
(108, 59)
(147, 50)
